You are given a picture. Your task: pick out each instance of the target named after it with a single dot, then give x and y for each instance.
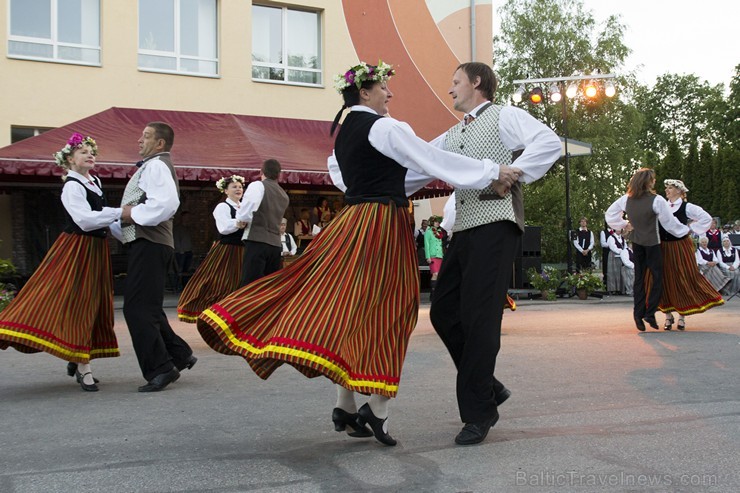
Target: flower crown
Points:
(676, 183)
(74, 142)
(223, 182)
(363, 73)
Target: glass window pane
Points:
(304, 77)
(303, 39)
(78, 22)
(86, 55)
(30, 49)
(30, 18)
(198, 66)
(157, 25)
(157, 62)
(198, 28)
(277, 74)
(267, 34)
(260, 72)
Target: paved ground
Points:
(597, 406)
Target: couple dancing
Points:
(358, 337)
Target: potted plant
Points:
(546, 281)
(584, 283)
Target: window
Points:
(20, 133)
(286, 45)
(178, 36)
(57, 30)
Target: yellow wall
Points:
(47, 94)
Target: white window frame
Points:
(284, 41)
(53, 42)
(176, 53)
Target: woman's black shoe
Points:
(81, 380)
(366, 416)
(72, 372)
(342, 419)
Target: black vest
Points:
(234, 238)
(584, 238)
(680, 214)
(715, 240)
(730, 259)
(97, 202)
(708, 256)
(369, 175)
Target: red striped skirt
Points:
(217, 276)
(345, 309)
(685, 290)
(66, 307)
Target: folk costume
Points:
(220, 272)
(356, 337)
(66, 307)
(583, 241)
(616, 243)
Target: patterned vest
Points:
(133, 195)
(97, 202)
(481, 139)
(265, 226)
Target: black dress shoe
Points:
(473, 433)
(160, 381)
(342, 419)
(379, 426)
(652, 322)
(640, 324)
(81, 380)
(502, 395)
(191, 361)
(72, 372)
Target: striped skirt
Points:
(685, 290)
(345, 309)
(66, 307)
(217, 276)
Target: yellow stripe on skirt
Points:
(216, 277)
(685, 290)
(345, 309)
(66, 307)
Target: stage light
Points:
(517, 97)
(535, 95)
(555, 95)
(572, 90)
(609, 89)
(590, 90)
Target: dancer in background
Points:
(221, 270)
(66, 307)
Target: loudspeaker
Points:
(532, 241)
(521, 266)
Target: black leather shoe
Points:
(188, 364)
(160, 381)
(342, 419)
(640, 324)
(502, 395)
(378, 425)
(72, 372)
(81, 380)
(473, 433)
(652, 322)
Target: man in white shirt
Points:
(467, 304)
(149, 202)
(584, 243)
(288, 242)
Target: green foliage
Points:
(6, 295)
(6, 268)
(584, 280)
(548, 279)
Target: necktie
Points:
(468, 118)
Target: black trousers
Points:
(583, 262)
(467, 309)
(157, 346)
(647, 258)
(260, 259)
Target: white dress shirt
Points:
(161, 195)
(735, 264)
(701, 221)
(615, 216)
(251, 201)
(625, 256)
(520, 130)
(225, 224)
(284, 241)
(612, 243)
(74, 200)
(590, 242)
(449, 214)
(398, 141)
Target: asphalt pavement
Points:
(596, 406)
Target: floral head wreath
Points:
(363, 72)
(74, 142)
(223, 182)
(677, 184)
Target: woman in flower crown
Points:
(66, 307)
(355, 334)
(685, 290)
(221, 270)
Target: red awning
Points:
(207, 147)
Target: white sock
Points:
(680, 317)
(379, 405)
(86, 371)
(669, 316)
(346, 400)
